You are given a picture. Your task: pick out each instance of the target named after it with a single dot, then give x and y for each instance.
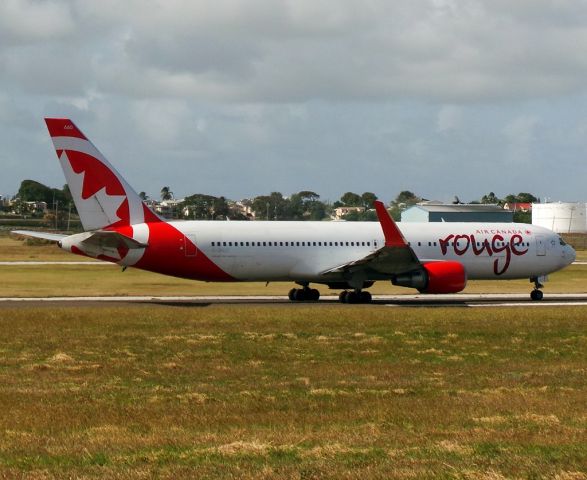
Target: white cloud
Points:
(521, 136)
(449, 118)
(293, 51)
(30, 21)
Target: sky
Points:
(242, 98)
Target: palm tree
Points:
(166, 193)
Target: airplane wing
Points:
(52, 237)
(395, 257)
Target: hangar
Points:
(446, 212)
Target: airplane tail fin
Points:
(102, 197)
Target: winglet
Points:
(393, 237)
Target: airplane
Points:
(434, 258)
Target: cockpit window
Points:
(561, 241)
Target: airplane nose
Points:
(570, 254)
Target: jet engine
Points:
(434, 277)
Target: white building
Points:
(561, 217)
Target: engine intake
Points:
(435, 277)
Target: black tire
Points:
(300, 295)
(314, 295)
(342, 296)
(365, 296)
(292, 294)
(352, 297)
(536, 295)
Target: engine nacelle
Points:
(435, 277)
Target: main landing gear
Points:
(355, 296)
(536, 294)
(304, 294)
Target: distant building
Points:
(561, 217)
(242, 208)
(340, 212)
(444, 212)
(168, 208)
(518, 207)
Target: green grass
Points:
(143, 391)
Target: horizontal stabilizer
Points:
(110, 239)
(52, 237)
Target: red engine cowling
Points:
(435, 277)
(445, 277)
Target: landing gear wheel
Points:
(352, 297)
(536, 295)
(342, 296)
(300, 295)
(365, 296)
(303, 294)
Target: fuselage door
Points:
(190, 248)
(540, 245)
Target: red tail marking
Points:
(150, 217)
(97, 175)
(63, 127)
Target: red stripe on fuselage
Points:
(166, 254)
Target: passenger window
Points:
(224, 244)
(247, 243)
(281, 244)
(297, 244)
(212, 243)
(264, 244)
(363, 244)
(314, 244)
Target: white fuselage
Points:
(302, 251)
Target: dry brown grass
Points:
(147, 391)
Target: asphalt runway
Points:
(456, 300)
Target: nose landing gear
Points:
(536, 294)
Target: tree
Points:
(350, 199)
(200, 206)
(406, 198)
(220, 207)
(166, 194)
(143, 196)
(271, 207)
(368, 199)
(491, 199)
(525, 197)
